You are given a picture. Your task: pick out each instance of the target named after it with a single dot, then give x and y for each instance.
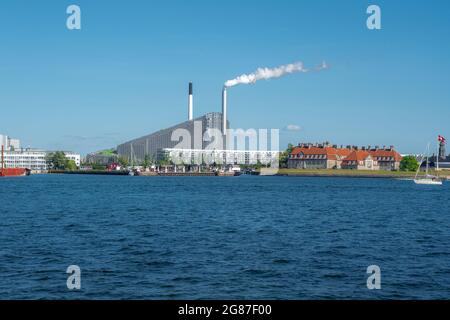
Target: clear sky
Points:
(125, 73)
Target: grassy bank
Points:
(346, 173)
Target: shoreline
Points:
(323, 173)
(319, 173)
(346, 176)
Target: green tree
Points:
(70, 165)
(123, 161)
(409, 163)
(284, 156)
(148, 161)
(57, 160)
(164, 161)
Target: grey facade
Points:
(136, 150)
(444, 160)
(101, 159)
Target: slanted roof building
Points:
(325, 156)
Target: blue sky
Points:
(125, 74)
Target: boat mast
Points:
(428, 163)
(420, 166)
(421, 162)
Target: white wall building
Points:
(9, 143)
(14, 144)
(26, 158)
(33, 159)
(220, 157)
(74, 156)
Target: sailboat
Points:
(428, 178)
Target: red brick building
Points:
(325, 156)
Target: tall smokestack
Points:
(224, 111)
(191, 103)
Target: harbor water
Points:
(245, 237)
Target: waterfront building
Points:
(359, 160)
(444, 163)
(152, 145)
(444, 159)
(218, 157)
(317, 156)
(105, 157)
(9, 143)
(386, 158)
(326, 156)
(33, 159)
(173, 144)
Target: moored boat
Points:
(428, 179)
(11, 172)
(227, 173)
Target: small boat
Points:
(223, 173)
(428, 179)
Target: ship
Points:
(14, 172)
(11, 172)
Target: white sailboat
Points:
(428, 178)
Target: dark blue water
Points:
(222, 238)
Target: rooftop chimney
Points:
(191, 103)
(224, 111)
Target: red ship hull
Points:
(13, 172)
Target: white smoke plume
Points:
(267, 73)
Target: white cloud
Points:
(293, 127)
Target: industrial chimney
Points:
(224, 111)
(191, 103)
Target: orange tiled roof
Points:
(330, 152)
(343, 152)
(357, 155)
(346, 154)
(386, 153)
(313, 150)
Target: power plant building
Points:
(152, 145)
(165, 144)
